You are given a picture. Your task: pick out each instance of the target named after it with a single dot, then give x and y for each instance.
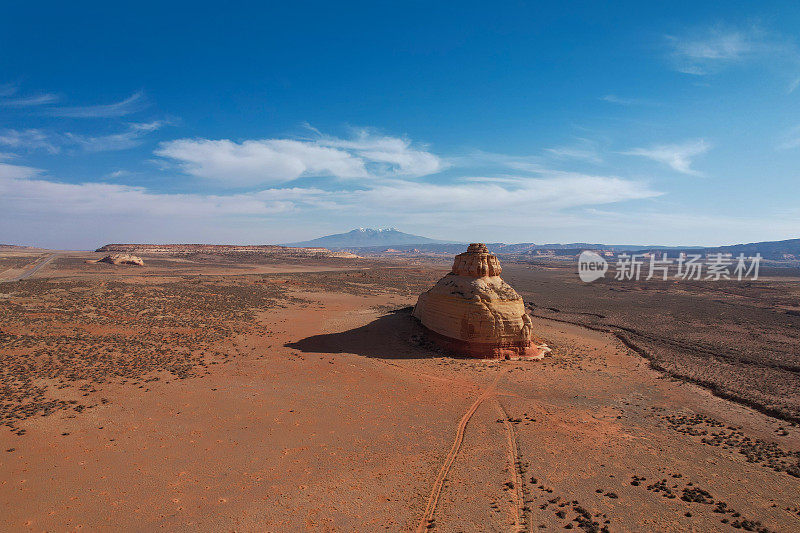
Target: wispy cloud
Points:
(29, 101)
(263, 161)
(485, 196)
(8, 89)
(148, 126)
(619, 100)
(790, 140)
(714, 46)
(708, 50)
(677, 156)
(379, 177)
(478, 159)
(135, 102)
(13, 173)
(18, 194)
(32, 140)
(132, 137)
(793, 85)
(584, 149)
(23, 191)
(118, 174)
(29, 140)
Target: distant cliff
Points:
(221, 249)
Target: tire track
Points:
(514, 464)
(430, 509)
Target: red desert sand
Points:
(207, 393)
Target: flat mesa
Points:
(473, 312)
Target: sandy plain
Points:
(204, 395)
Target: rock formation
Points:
(122, 259)
(472, 311)
(186, 250)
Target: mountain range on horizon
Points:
(367, 238)
(376, 240)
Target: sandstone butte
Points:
(122, 259)
(471, 311)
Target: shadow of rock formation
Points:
(395, 335)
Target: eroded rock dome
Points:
(474, 312)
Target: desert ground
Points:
(207, 393)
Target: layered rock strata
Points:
(122, 259)
(473, 312)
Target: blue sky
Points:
(515, 122)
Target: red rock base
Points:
(483, 350)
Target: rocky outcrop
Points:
(477, 262)
(472, 311)
(122, 259)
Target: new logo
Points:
(591, 266)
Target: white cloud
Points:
(19, 193)
(677, 156)
(24, 191)
(147, 126)
(708, 50)
(8, 89)
(513, 196)
(584, 149)
(135, 102)
(131, 138)
(679, 227)
(30, 140)
(791, 143)
(33, 139)
(397, 155)
(791, 139)
(16, 172)
(118, 174)
(716, 44)
(614, 99)
(376, 181)
(480, 159)
(793, 85)
(258, 162)
(29, 101)
(265, 161)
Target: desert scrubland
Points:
(249, 392)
